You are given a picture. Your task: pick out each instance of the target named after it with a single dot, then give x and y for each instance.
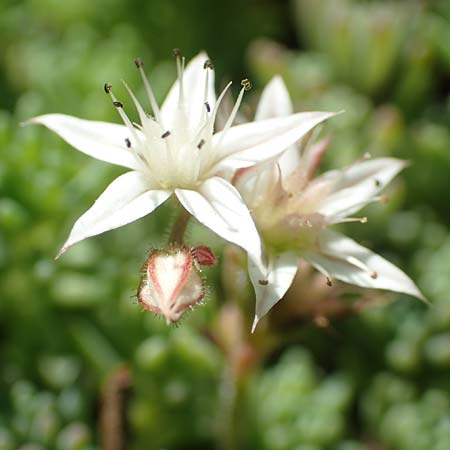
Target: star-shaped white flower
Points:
(178, 152)
(293, 212)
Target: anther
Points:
(166, 134)
(322, 321)
(208, 64)
(383, 199)
(176, 52)
(246, 84)
(118, 104)
(138, 62)
(374, 275)
(377, 183)
(263, 282)
(329, 282)
(201, 144)
(208, 108)
(363, 219)
(107, 87)
(127, 142)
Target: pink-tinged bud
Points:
(171, 283)
(204, 255)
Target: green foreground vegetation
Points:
(83, 367)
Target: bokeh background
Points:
(82, 367)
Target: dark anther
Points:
(208, 108)
(107, 87)
(263, 282)
(201, 144)
(127, 142)
(245, 83)
(208, 64)
(138, 62)
(373, 275)
(118, 104)
(164, 135)
(377, 183)
(176, 52)
(329, 282)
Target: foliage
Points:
(379, 376)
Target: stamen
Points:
(142, 115)
(107, 88)
(128, 143)
(263, 282)
(348, 220)
(246, 85)
(201, 144)
(124, 117)
(208, 108)
(329, 281)
(165, 134)
(377, 183)
(357, 263)
(180, 69)
(148, 89)
(212, 118)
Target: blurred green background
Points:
(83, 368)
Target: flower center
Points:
(176, 151)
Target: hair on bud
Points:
(138, 62)
(107, 88)
(118, 104)
(165, 134)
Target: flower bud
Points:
(171, 282)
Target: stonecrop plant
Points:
(248, 183)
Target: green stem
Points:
(179, 228)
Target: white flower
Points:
(178, 152)
(293, 211)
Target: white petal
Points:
(274, 101)
(250, 143)
(194, 94)
(280, 274)
(128, 198)
(256, 183)
(218, 205)
(356, 186)
(338, 255)
(101, 140)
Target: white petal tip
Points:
(255, 323)
(28, 122)
(63, 250)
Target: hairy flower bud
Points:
(171, 282)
